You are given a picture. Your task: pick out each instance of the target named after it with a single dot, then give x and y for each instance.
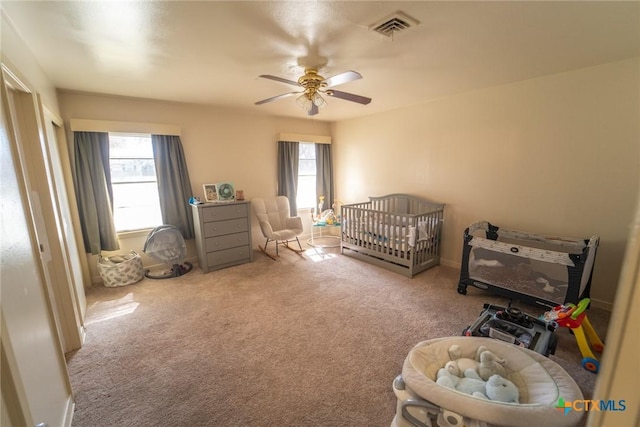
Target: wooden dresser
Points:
(223, 234)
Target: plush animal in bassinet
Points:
(449, 376)
(463, 363)
(495, 388)
(490, 365)
(485, 364)
(501, 389)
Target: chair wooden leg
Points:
(264, 250)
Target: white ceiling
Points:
(213, 52)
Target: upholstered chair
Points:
(277, 224)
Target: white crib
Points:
(398, 232)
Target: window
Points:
(306, 197)
(136, 204)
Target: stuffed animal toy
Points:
(502, 390)
(464, 363)
(468, 382)
(452, 368)
(449, 376)
(490, 365)
(485, 363)
(496, 388)
(484, 376)
(471, 383)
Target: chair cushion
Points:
(276, 212)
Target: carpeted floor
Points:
(313, 341)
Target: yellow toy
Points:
(573, 317)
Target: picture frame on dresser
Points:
(210, 193)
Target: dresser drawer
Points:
(226, 242)
(220, 228)
(228, 256)
(221, 213)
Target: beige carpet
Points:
(313, 341)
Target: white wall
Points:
(553, 155)
(19, 58)
(220, 144)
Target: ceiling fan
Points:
(313, 85)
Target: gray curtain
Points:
(324, 174)
(174, 186)
(92, 182)
(288, 159)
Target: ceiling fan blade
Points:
(349, 96)
(274, 98)
(313, 110)
(279, 79)
(342, 78)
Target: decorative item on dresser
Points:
(223, 234)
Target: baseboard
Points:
(83, 334)
(68, 416)
(604, 305)
(449, 263)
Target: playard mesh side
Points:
(534, 268)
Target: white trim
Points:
(13, 81)
(605, 305)
(450, 263)
(128, 234)
(318, 139)
(83, 125)
(50, 115)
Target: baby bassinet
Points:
(540, 381)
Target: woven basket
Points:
(120, 270)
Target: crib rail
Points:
(403, 204)
(397, 229)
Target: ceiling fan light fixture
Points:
(318, 100)
(313, 86)
(306, 101)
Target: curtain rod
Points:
(318, 139)
(84, 125)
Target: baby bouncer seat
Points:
(541, 383)
(166, 244)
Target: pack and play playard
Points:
(533, 268)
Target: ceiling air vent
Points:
(393, 24)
